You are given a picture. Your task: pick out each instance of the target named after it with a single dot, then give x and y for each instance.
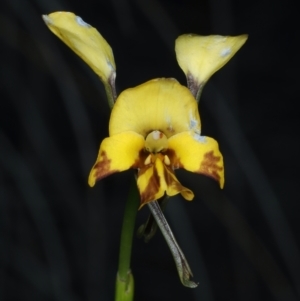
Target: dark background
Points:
(59, 239)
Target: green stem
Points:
(124, 281)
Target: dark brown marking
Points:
(172, 181)
(194, 86)
(152, 188)
(140, 162)
(175, 163)
(170, 129)
(209, 166)
(102, 168)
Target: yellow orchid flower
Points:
(155, 128)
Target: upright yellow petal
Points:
(201, 56)
(117, 153)
(197, 154)
(84, 40)
(160, 104)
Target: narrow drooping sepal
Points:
(149, 228)
(182, 265)
(201, 56)
(117, 153)
(198, 154)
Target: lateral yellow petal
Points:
(202, 56)
(199, 154)
(84, 40)
(160, 104)
(156, 179)
(117, 153)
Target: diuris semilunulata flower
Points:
(154, 127)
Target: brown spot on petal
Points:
(102, 168)
(169, 179)
(140, 162)
(193, 85)
(152, 188)
(209, 166)
(173, 182)
(170, 129)
(174, 161)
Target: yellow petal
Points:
(117, 153)
(197, 154)
(160, 104)
(156, 179)
(202, 56)
(84, 40)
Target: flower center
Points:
(156, 142)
